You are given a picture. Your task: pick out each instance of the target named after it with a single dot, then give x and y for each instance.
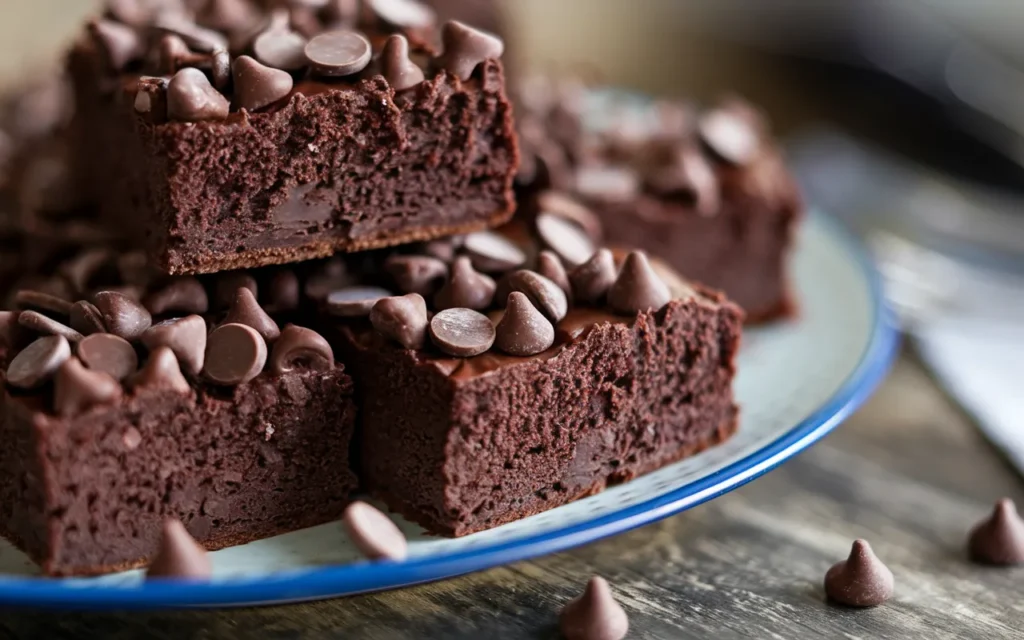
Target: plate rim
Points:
(362, 577)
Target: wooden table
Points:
(908, 472)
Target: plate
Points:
(797, 381)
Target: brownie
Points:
(705, 190)
(269, 152)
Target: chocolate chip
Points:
(340, 13)
(36, 363)
(108, 353)
(37, 322)
(729, 135)
(416, 274)
(565, 238)
(173, 54)
(300, 348)
(373, 533)
(85, 267)
(40, 301)
(338, 53)
(607, 184)
(465, 48)
(161, 371)
(592, 279)
(227, 284)
(179, 556)
(220, 69)
(256, 85)
(402, 319)
(228, 15)
(11, 333)
(492, 252)
(120, 43)
(465, 288)
(281, 49)
(132, 268)
(999, 539)
(543, 293)
(86, 318)
(691, 174)
(121, 315)
(594, 615)
(191, 98)
(282, 292)
(354, 302)
(561, 205)
(637, 288)
(194, 36)
(550, 266)
(183, 294)
(461, 332)
(396, 67)
(442, 249)
(245, 310)
(405, 14)
(186, 337)
(76, 389)
(136, 13)
(329, 276)
(522, 330)
(862, 580)
(235, 354)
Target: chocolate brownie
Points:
(706, 191)
(241, 140)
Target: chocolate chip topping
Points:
(235, 354)
(561, 205)
(594, 615)
(120, 43)
(183, 294)
(999, 539)
(416, 274)
(300, 348)
(338, 53)
(76, 389)
(191, 98)
(522, 330)
(461, 332)
(40, 301)
(373, 533)
(396, 67)
(402, 319)
(565, 238)
(407, 14)
(185, 337)
(491, 251)
(36, 363)
(354, 302)
(862, 580)
(228, 15)
(280, 48)
(245, 310)
(38, 323)
(173, 54)
(638, 288)
(729, 135)
(592, 279)
(465, 48)
(108, 353)
(550, 266)
(86, 318)
(178, 556)
(282, 292)
(543, 293)
(161, 371)
(226, 285)
(194, 36)
(466, 288)
(256, 85)
(220, 69)
(121, 315)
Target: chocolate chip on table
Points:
(465, 288)
(245, 310)
(402, 319)
(182, 294)
(416, 274)
(465, 48)
(491, 251)
(235, 354)
(226, 285)
(300, 348)
(120, 43)
(121, 315)
(282, 292)
(228, 15)
(191, 98)
(185, 337)
(76, 388)
(594, 615)
(461, 332)
(280, 48)
(257, 85)
(373, 533)
(605, 183)
(638, 288)
(729, 135)
(84, 267)
(161, 371)
(396, 66)
(550, 266)
(565, 238)
(543, 293)
(195, 36)
(592, 279)
(523, 330)
(354, 302)
(338, 53)
(562, 205)
(999, 539)
(179, 555)
(862, 580)
(407, 14)
(36, 363)
(86, 318)
(108, 353)
(37, 322)
(40, 301)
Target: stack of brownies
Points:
(291, 273)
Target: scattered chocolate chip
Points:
(465, 288)
(86, 318)
(227, 284)
(442, 249)
(282, 292)
(550, 266)
(235, 354)
(491, 251)
(354, 302)
(179, 556)
(245, 310)
(862, 580)
(220, 69)
(182, 294)
(329, 276)
(84, 267)
(300, 348)
(405, 14)
(416, 274)
(131, 268)
(37, 322)
(40, 301)
(194, 36)
(561, 205)
(594, 615)
(522, 330)
(161, 371)
(256, 85)
(373, 533)
(108, 353)
(689, 173)
(402, 319)
(76, 389)
(228, 15)
(340, 13)
(191, 98)
(543, 293)
(396, 67)
(637, 288)
(565, 238)
(120, 43)
(592, 279)
(608, 184)
(999, 539)
(11, 333)
(465, 48)
(729, 135)
(36, 363)
(280, 48)
(186, 338)
(338, 53)
(173, 54)
(461, 332)
(121, 315)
